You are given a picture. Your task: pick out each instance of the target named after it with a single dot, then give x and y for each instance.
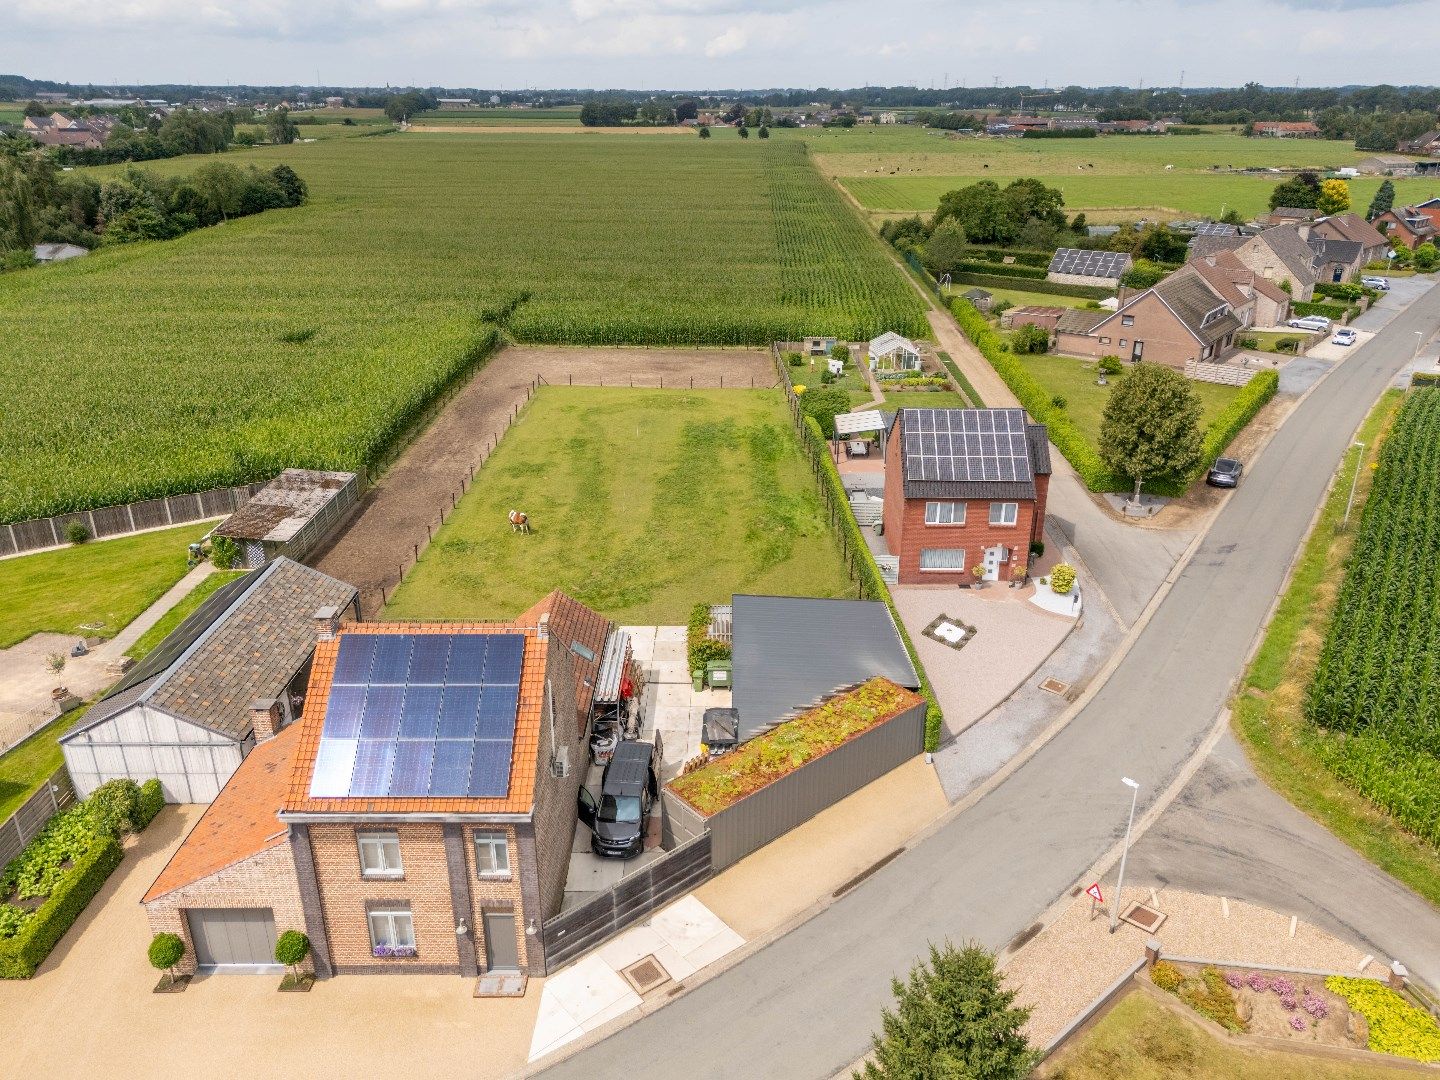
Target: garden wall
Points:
(38, 533)
(767, 814)
(53, 796)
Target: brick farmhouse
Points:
(417, 818)
(964, 488)
(1412, 225)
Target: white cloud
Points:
(731, 41)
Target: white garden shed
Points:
(187, 713)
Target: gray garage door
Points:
(233, 938)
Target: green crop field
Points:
(560, 115)
(1172, 194)
(642, 503)
(158, 368)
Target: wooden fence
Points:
(570, 935)
(54, 795)
(37, 533)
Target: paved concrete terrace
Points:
(1228, 931)
(1013, 637)
(671, 705)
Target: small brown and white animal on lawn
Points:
(519, 522)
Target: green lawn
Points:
(176, 615)
(642, 502)
(1266, 341)
(1021, 298)
(1175, 195)
(28, 765)
(1074, 380)
(1139, 1039)
(939, 398)
(94, 589)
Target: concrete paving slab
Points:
(1327, 349)
(588, 987)
(686, 925)
(590, 873)
(722, 944)
(631, 946)
(678, 966)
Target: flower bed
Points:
(766, 758)
(1394, 1025)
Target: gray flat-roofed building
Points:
(790, 652)
(186, 714)
(291, 516)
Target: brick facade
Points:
(265, 880)
(906, 532)
(1165, 339)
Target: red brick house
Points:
(417, 818)
(1182, 319)
(964, 488)
(1412, 225)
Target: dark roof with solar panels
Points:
(420, 715)
(1086, 263)
(971, 453)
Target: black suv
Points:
(628, 789)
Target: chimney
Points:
(327, 622)
(544, 626)
(266, 716)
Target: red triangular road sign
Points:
(1094, 893)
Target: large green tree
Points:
(945, 250)
(1334, 197)
(1302, 190)
(991, 215)
(954, 1020)
(1384, 200)
(1151, 426)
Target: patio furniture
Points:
(858, 448)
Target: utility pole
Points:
(1124, 853)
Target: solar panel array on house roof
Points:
(1083, 263)
(420, 715)
(966, 445)
(1216, 228)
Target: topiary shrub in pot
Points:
(291, 949)
(167, 950)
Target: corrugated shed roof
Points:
(790, 652)
(284, 506)
(241, 822)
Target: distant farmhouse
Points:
(57, 129)
(1281, 129)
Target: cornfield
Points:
(314, 336)
(1376, 690)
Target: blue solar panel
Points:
(419, 715)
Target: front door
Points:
(1137, 351)
(995, 558)
(501, 952)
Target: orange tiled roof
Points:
(241, 822)
(523, 759)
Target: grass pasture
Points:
(158, 368)
(91, 589)
(642, 502)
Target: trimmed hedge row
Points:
(1015, 270)
(152, 801)
(872, 585)
(1004, 281)
(966, 386)
(1335, 312)
(1073, 443)
(22, 954)
(1024, 258)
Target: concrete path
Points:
(805, 1005)
(26, 681)
(1231, 835)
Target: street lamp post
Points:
(1353, 478)
(1124, 852)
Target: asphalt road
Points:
(805, 1006)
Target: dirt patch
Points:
(433, 471)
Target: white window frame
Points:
(942, 569)
(385, 926)
(495, 842)
(935, 513)
(1104, 341)
(1008, 510)
(1127, 320)
(382, 845)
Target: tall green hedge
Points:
(1015, 270)
(1023, 258)
(22, 954)
(1072, 442)
(867, 570)
(1334, 312)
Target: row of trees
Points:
(653, 112)
(1305, 190)
(42, 204)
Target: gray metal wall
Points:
(570, 935)
(772, 811)
(191, 762)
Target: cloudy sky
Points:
(699, 44)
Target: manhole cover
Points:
(1054, 686)
(1144, 916)
(645, 975)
